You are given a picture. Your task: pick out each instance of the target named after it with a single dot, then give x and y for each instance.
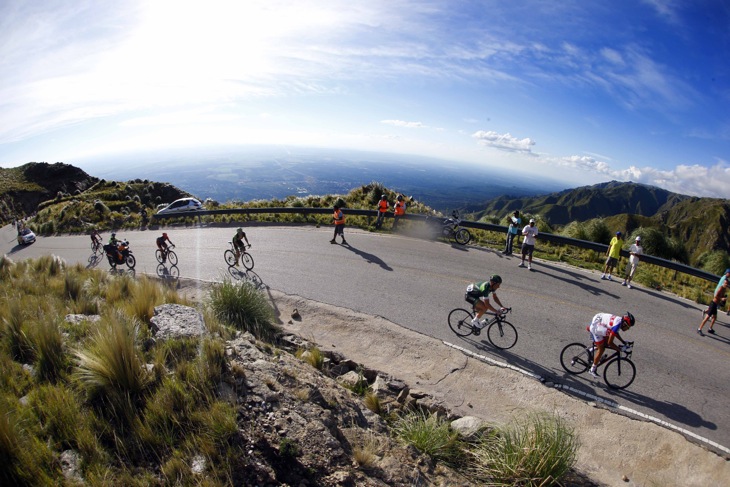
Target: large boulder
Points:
(176, 320)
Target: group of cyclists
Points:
(604, 328)
(162, 241)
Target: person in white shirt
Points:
(528, 244)
(634, 252)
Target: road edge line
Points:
(594, 398)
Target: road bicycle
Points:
(166, 255)
(618, 370)
(230, 257)
(97, 247)
(450, 228)
(500, 332)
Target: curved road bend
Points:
(682, 378)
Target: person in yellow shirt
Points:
(612, 255)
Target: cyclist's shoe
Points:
(344, 242)
(333, 241)
(699, 332)
(593, 372)
(628, 286)
(623, 283)
(609, 277)
(711, 331)
(522, 264)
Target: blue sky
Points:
(583, 91)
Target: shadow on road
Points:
(94, 260)
(248, 276)
(370, 258)
(575, 279)
(671, 411)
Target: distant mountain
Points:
(587, 202)
(701, 224)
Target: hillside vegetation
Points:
(700, 225)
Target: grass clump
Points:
(430, 434)
(313, 356)
(244, 307)
(538, 450)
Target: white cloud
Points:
(401, 123)
(504, 142)
(694, 180)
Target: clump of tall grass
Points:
(109, 368)
(430, 434)
(51, 360)
(15, 332)
(313, 356)
(534, 451)
(244, 307)
(24, 460)
(144, 295)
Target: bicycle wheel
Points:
(172, 258)
(575, 358)
(460, 322)
(619, 373)
(158, 255)
(230, 258)
(247, 260)
(130, 261)
(462, 236)
(502, 334)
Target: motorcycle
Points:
(121, 254)
(451, 228)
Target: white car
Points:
(26, 236)
(182, 205)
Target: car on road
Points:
(26, 236)
(182, 205)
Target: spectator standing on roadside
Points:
(711, 312)
(399, 210)
(382, 210)
(613, 254)
(339, 218)
(634, 252)
(514, 227)
(719, 283)
(528, 243)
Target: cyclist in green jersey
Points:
(477, 295)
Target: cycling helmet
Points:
(496, 279)
(400, 198)
(114, 234)
(629, 319)
(383, 197)
(164, 235)
(240, 230)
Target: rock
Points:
(176, 320)
(468, 426)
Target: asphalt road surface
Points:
(682, 378)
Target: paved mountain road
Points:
(681, 378)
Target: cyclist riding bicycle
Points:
(95, 237)
(237, 240)
(477, 294)
(607, 324)
(162, 245)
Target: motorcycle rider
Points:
(114, 244)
